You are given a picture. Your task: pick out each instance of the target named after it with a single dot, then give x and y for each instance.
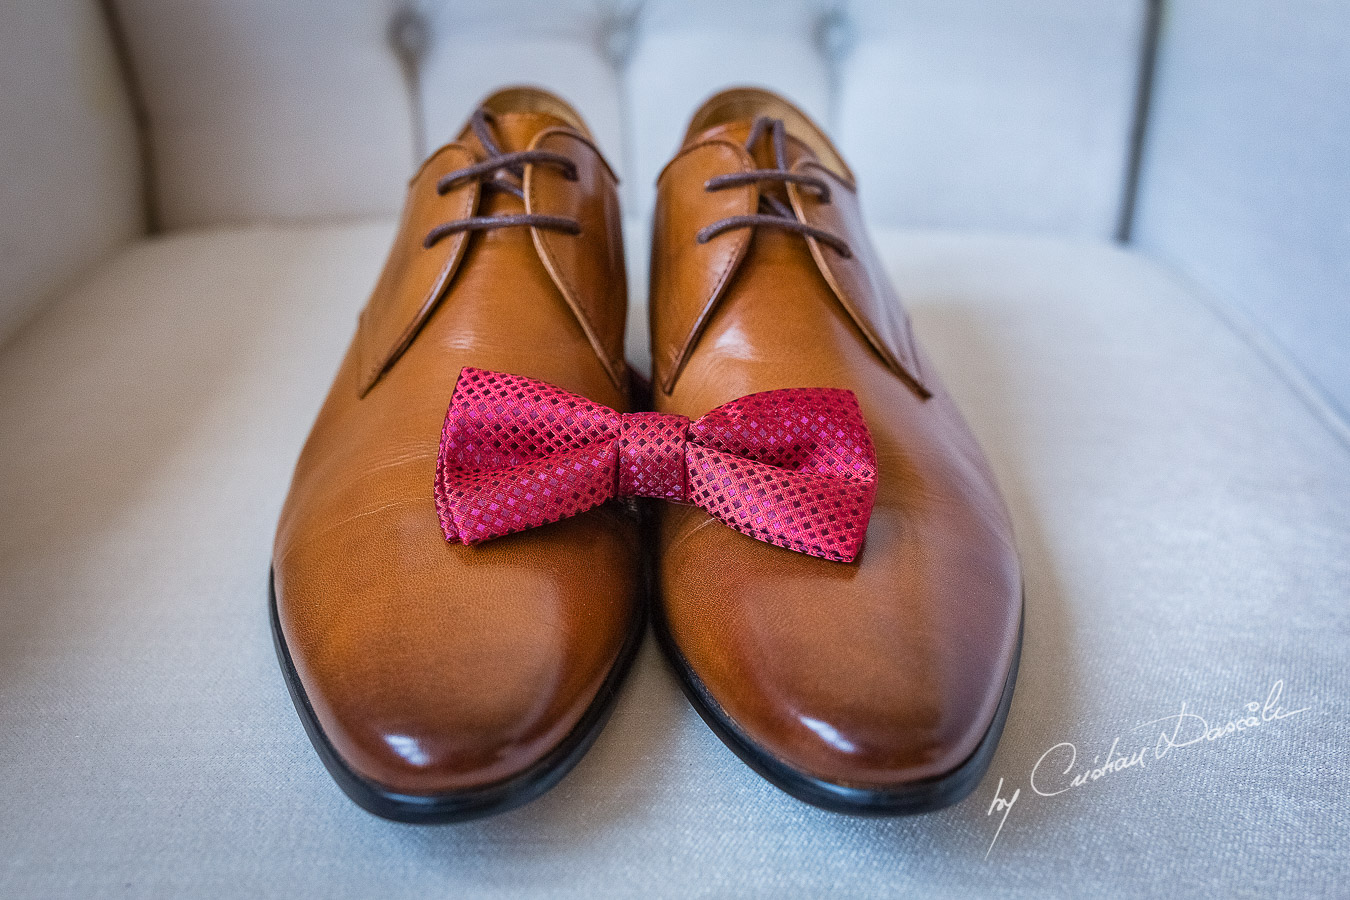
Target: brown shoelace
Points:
(772, 211)
(502, 172)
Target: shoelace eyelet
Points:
(489, 173)
(772, 213)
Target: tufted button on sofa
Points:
(1120, 228)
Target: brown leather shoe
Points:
(438, 681)
(878, 686)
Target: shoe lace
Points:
(502, 172)
(772, 211)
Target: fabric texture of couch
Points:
(1164, 417)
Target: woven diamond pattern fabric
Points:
(651, 455)
(794, 468)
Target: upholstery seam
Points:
(1150, 39)
(406, 36)
(134, 91)
(1278, 361)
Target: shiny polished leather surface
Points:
(434, 667)
(879, 673)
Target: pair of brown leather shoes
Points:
(442, 680)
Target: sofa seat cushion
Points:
(1184, 519)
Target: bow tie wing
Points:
(517, 453)
(795, 468)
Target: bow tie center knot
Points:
(651, 455)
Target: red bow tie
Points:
(794, 468)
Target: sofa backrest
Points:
(70, 188)
(953, 112)
(1245, 183)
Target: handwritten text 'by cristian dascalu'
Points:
(1063, 768)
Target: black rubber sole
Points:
(913, 798)
(475, 802)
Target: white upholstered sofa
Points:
(1121, 230)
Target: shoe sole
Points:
(469, 803)
(909, 799)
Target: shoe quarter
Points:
(415, 277)
(587, 268)
(859, 279)
(689, 278)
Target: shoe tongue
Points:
(512, 131)
(738, 132)
(515, 130)
(762, 153)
